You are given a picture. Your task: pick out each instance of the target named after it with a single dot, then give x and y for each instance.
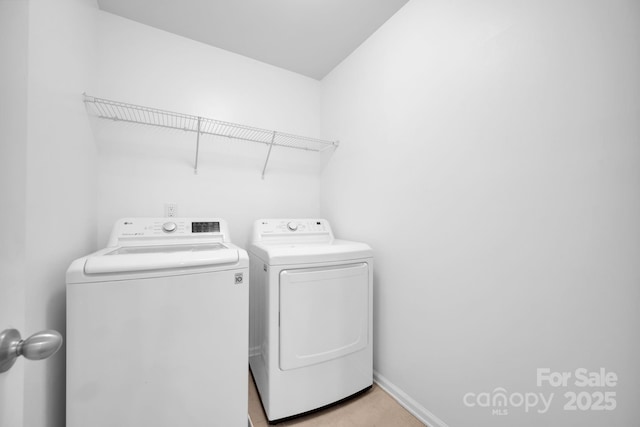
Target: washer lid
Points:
(287, 254)
(159, 257)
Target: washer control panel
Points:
(149, 229)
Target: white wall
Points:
(490, 153)
(13, 153)
(143, 168)
(60, 221)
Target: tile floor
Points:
(375, 408)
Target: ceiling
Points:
(309, 37)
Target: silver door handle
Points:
(38, 346)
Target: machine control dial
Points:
(169, 227)
(293, 226)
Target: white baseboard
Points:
(416, 409)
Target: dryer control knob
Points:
(169, 227)
(293, 226)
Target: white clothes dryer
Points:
(310, 316)
(157, 327)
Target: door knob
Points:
(38, 346)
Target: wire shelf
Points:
(131, 113)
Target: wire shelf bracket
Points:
(131, 113)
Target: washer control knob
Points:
(169, 227)
(293, 226)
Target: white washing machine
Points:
(310, 316)
(157, 328)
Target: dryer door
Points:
(324, 313)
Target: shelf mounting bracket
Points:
(195, 169)
(273, 138)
